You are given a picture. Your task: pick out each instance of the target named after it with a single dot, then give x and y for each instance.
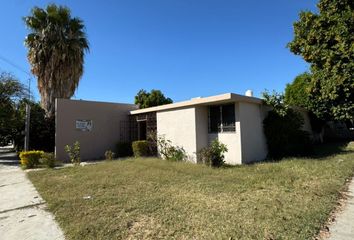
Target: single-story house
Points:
(235, 120)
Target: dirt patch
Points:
(144, 227)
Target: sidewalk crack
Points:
(24, 207)
(4, 185)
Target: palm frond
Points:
(56, 44)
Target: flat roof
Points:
(96, 102)
(223, 98)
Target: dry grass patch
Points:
(156, 199)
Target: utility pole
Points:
(28, 108)
(28, 117)
(27, 126)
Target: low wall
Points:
(73, 120)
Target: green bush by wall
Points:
(140, 148)
(213, 155)
(285, 136)
(48, 160)
(30, 159)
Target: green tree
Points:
(56, 47)
(325, 40)
(150, 99)
(276, 101)
(11, 92)
(297, 93)
(42, 128)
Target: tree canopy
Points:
(11, 92)
(56, 47)
(276, 101)
(150, 99)
(325, 40)
(297, 93)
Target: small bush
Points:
(74, 153)
(213, 155)
(170, 152)
(124, 149)
(140, 148)
(109, 155)
(48, 160)
(177, 154)
(30, 159)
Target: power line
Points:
(15, 65)
(22, 70)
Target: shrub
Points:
(170, 152)
(213, 155)
(48, 160)
(124, 149)
(74, 153)
(30, 159)
(177, 154)
(284, 135)
(109, 155)
(140, 148)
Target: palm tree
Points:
(56, 46)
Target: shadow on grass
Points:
(320, 151)
(333, 148)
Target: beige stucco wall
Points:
(232, 140)
(254, 146)
(106, 132)
(201, 118)
(179, 126)
(188, 128)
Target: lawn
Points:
(156, 199)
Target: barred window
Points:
(221, 118)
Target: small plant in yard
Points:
(74, 153)
(170, 152)
(48, 159)
(140, 148)
(213, 155)
(30, 159)
(109, 155)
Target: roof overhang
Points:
(212, 100)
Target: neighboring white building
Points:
(235, 120)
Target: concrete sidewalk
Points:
(22, 210)
(343, 227)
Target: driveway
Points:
(23, 212)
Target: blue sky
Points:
(184, 48)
